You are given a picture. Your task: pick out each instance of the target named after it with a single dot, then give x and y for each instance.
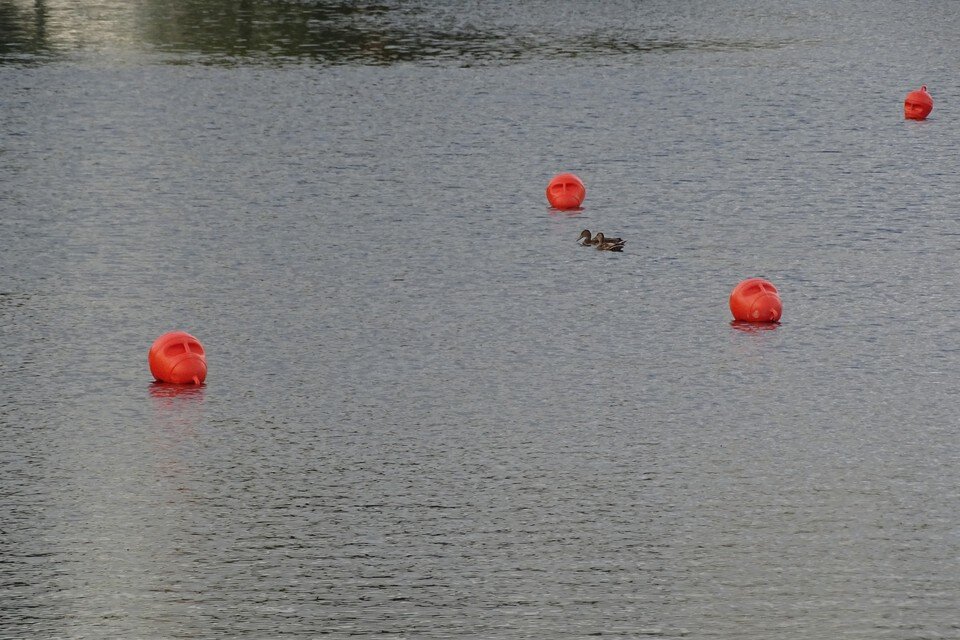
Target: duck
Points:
(608, 244)
(585, 236)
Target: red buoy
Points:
(179, 358)
(756, 300)
(566, 191)
(918, 104)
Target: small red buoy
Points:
(756, 300)
(566, 191)
(918, 104)
(179, 358)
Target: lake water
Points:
(429, 413)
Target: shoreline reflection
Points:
(258, 31)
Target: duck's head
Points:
(599, 237)
(584, 235)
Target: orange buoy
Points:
(756, 300)
(566, 191)
(918, 104)
(179, 358)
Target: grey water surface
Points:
(429, 413)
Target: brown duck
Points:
(608, 244)
(600, 241)
(585, 239)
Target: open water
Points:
(429, 413)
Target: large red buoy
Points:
(756, 300)
(179, 358)
(918, 104)
(566, 191)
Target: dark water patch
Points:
(461, 33)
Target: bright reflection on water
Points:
(366, 32)
(431, 414)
